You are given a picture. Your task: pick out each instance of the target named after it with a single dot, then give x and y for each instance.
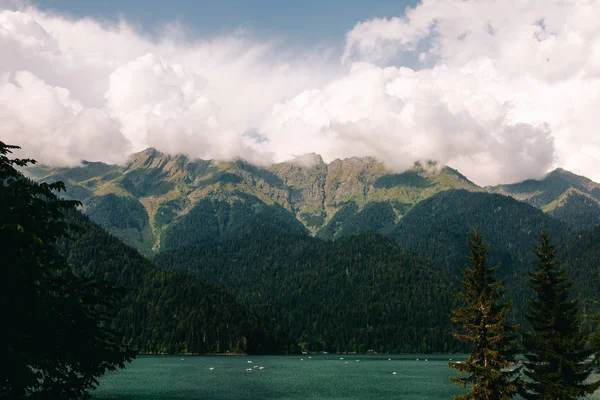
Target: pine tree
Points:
(490, 368)
(557, 357)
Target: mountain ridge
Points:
(153, 194)
(169, 187)
(569, 197)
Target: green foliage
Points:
(306, 190)
(210, 220)
(168, 211)
(558, 364)
(580, 256)
(353, 294)
(435, 228)
(333, 229)
(481, 318)
(124, 217)
(56, 341)
(579, 210)
(595, 340)
(375, 217)
(166, 312)
(113, 211)
(409, 178)
(313, 220)
(400, 207)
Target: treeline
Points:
(351, 295)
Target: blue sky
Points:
(309, 22)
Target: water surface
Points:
(283, 377)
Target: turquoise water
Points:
(283, 377)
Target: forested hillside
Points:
(436, 228)
(163, 312)
(580, 254)
(248, 230)
(352, 294)
(211, 220)
(576, 208)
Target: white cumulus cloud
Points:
(503, 91)
(537, 60)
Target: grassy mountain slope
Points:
(569, 197)
(352, 294)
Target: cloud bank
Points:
(502, 92)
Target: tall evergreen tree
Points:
(55, 342)
(557, 357)
(490, 367)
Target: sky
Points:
(501, 90)
(300, 22)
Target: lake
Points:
(283, 377)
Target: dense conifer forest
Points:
(353, 294)
(164, 312)
(436, 228)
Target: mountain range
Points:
(158, 202)
(345, 256)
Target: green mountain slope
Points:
(436, 228)
(246, 229)
(352, 294)
(164, 312)
(575, 207)
(580, 255)
(384, 198)
(569, 197)
(191, 201)
(439, 225)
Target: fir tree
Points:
(558, 364)
(490, 367)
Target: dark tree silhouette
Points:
(55, 336)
